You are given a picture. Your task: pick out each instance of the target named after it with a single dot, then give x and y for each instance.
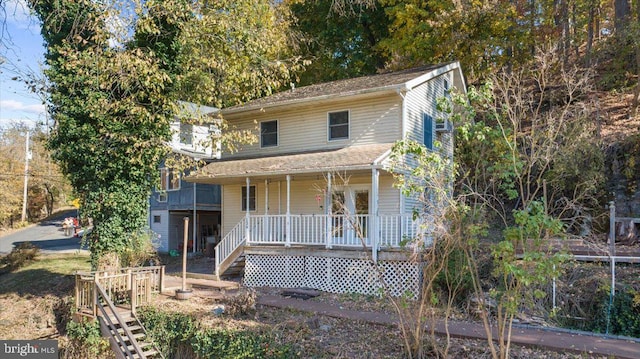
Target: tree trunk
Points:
(566, 38)
(590, 27)
(622, 10)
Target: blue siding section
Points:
(208, 198)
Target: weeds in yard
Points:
(19, 257)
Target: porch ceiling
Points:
(311, 164)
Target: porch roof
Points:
(352, 159)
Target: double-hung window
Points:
(268, 134)
(338, 125)
(169, 180)
(252, 198)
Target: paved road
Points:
(47, 235)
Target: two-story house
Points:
(176, 198)
(312, 204)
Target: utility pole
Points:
(27, 157)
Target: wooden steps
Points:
(129, 336)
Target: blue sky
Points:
(21, 53)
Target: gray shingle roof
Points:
(347, 158)
(370, 83)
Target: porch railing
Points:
(338, 230)
(129, 286)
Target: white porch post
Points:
(247, 228)
(195, 219)
(266, 235)
(287, 242)
(374, 230)
(329, 204)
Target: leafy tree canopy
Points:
(113, 95)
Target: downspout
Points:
(403, 119)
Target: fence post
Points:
(77, 293)
(612, 260)
(612, 245)
(94, 295)
(161, 285)
(133, 292)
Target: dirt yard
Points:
(36, 300)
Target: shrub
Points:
(86, 335)
(19, 257)
(172, 331)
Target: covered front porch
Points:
(339, 200)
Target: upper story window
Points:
(169, 180)
(427, 131)
(252, 198)
(447, 89)
(268, 133)
(186, 133)
(338, 125)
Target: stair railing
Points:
(234, 239)
(111, 325)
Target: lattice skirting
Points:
(335, 275)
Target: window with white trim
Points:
(269, 133)
(169, 179)
(186, 133)
(447, 89)
(252, 198)
(338, 125)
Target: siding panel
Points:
(373, 120)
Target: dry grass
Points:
(35, 302)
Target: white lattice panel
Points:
(274, 271)
(336, 275)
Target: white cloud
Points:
(13, 105)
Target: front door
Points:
(350, 209)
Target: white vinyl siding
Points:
(421, 104)
(161, 229)
(388, 197)
(372, 120)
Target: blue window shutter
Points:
(427, 128)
